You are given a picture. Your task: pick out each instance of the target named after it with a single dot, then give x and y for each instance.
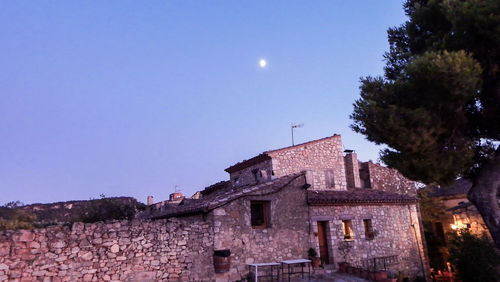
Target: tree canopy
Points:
(437, 108)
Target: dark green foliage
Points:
(475, 258)
(108, 209)
(312, 253)
(11, 218)
(438, 106)
(431, 209)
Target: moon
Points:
(262, 63)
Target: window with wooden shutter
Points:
(329, 178)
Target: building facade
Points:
(277, 205)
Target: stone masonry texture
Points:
(114, 251)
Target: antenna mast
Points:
(293, 126)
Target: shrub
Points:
(475, 258)
(11, 218)
(108, 209)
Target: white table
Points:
(263, 264)
(290, 263)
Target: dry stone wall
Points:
(162, 250)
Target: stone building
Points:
(274, 207)
(280, 203)
(458, 214)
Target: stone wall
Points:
(386, 179)
(121, 250)
(352, 171)
(287, 237)
(397, 233)
(315, 156)
(246, 176)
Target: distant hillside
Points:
(87, 211)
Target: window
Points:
(329, 178)
(369, 232)
(259, 212)
(347, 228)
(236, 181)
(263, 174)
(255, 174)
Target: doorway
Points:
(323, 242)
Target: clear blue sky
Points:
(130, 98)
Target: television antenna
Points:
(293, 126)
(177, 189)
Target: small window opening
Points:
(369, 232)
(347, 228)
(236, 181)
(272, 172)
(259, 212)
(255, 173)
(329, 178)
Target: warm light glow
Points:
(454, 227)
(262, 63)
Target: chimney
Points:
(175, 196)
(352, 169)
(151, 200)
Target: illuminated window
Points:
(347, 228)
(259, 211)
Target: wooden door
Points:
(323, 243)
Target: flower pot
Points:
(315, 262)
(343, 267)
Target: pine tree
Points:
(437, 108)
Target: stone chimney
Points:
(151, 200)
(351, 169)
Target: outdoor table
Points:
(290, 263)
(263, 264)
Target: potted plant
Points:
(313, 256)
(344, 249)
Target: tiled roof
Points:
(458, 188)
(246, 163)
(460, 207)
(215, 187)
(223, 196)
(357, 196)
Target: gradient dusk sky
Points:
(131, 98)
